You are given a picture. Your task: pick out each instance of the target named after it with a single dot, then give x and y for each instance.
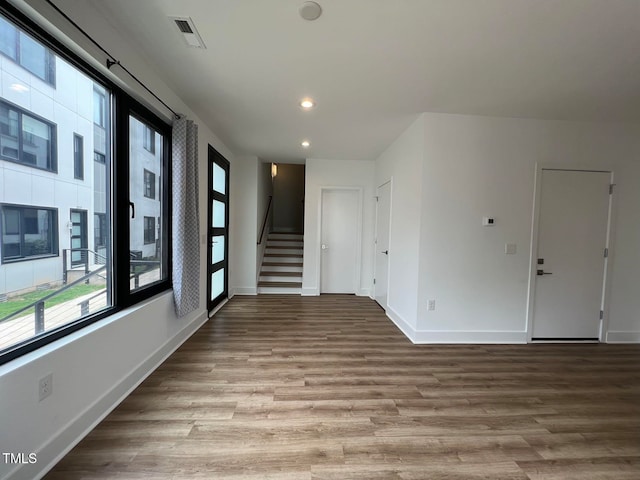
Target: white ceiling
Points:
(373, 65)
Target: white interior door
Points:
(339, 241)
(383, 216)
(570, 263)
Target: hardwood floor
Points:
(295, 388)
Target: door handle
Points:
(386, 252)
(542, 272)
(133, 209)
(324, 247)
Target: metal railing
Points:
(68, 262)
(266, 217)
(38, 305)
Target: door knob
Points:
(324, 247)
(542, 272)
(386, 252)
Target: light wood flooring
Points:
(299, 388)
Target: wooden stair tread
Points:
(281, 274)
(286, 233)
(280, 284)
(285, 247)
(295, 255)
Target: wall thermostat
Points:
(488, 221)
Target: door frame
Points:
(213, 156)
(375, 241)
(360, 192)
(533, 253)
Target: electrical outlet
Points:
(45, 387)
(431, 305)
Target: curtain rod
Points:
(111, 61)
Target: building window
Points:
(149, 230)
(99, 230)
(28, 232)
(27, 52)
(78, 157)
(149, 184)
(26, 139)
(148, 139)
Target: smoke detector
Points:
(310, 11)
(187, 29)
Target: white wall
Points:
(483, 166)
(402, 163)
(243, 225)
(336, 173)
(95, 367)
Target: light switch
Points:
(510, 248)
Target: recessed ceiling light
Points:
(305, 144)
(18, 87)
(307, 103)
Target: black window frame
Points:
(78, 156)
(149, 184)
(121, 105)
(53, 144)
(54, 233)
(49, 58)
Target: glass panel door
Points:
(218, 229)
(78, 237)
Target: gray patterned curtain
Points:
(185, 217)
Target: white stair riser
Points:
(293, 251)
(281, 269)
(280, 290)
(276, 243)
(283, 259)
(269, 278)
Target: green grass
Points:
(16, 303)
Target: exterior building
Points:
(54, 169)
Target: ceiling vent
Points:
(187, 29)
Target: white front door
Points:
(383, 213)
(570, 261)
(339, 248)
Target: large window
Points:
(26, 139)
(149, 230)
(27, 52)
(70, 252)
(149, 184)
(28, 232)
(78, 157)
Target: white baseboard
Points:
(444, 336)
(401, 323)
(623, 337)
(70, 435)
(364, 292)
(310, 292)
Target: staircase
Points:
(281, 270)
